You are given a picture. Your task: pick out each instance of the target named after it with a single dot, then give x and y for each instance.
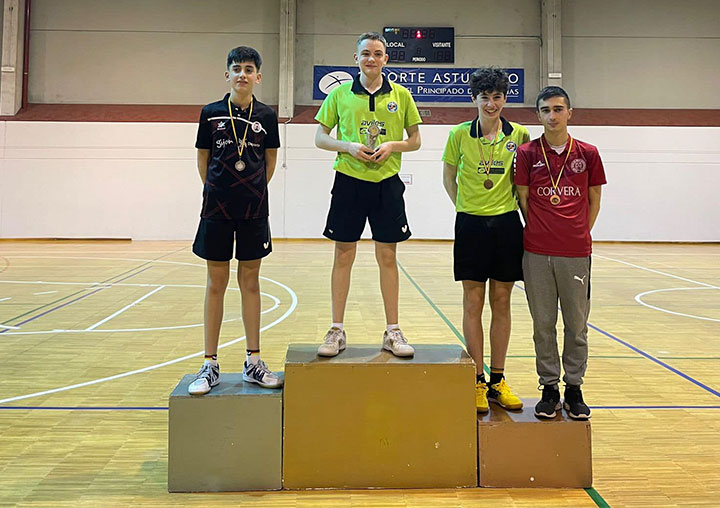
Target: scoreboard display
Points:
(420, 44)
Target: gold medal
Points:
(488, 184)
(555, 198)
(240, 165)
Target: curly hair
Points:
(489, 79)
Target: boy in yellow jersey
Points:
(477, 175)
(371, 114)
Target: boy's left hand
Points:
(382, 152)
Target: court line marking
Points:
(590, 325)
(45, 293)
(37, 316)
(291, 309)
(276, 304)
(655, 271)
(647, 355)
(638, 298)
(6, 298)
(129, 306)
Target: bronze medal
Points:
(555, 200)
(239, 165)
(488, 184)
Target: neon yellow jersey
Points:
(462, 150)
(391, 110)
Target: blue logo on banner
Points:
(446, 84)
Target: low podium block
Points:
(515, 449)
(367, 419)
(227, 440)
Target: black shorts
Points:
(488, 247)
(354, 201)
(214, 239)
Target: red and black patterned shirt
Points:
(230, 194)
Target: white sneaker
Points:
(207, 377)
(335, 341)
(395, 342)
(260, 374)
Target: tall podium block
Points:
(367, 419)
(227, 440)
(515, 449)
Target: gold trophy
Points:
(371, 135)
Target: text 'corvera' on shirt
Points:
(230, 194)
(561, 229)
(351, 108)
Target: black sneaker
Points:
(574, 403)
(550, 402)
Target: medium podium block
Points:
(515, 449)
(366, 419)
(227, 440)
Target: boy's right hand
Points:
(361, 152)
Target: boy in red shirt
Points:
(558, 181)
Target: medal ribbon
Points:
(555, 183)
(487, 166)
(240, 149)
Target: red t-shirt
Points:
(562, 229)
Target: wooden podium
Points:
(366, 419)
(516, 449)
(227, 440)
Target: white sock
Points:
(392, 327)
(210, 361)
(252, 358)
(338, 325)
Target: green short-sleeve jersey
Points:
(390, 110)
(462, 150)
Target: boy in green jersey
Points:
(371, 114)
(477, 175)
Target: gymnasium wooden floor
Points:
(95, 335)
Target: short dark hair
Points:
(489, 79)
(549, 92)
(373, 36)
(244, 54)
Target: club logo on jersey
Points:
(510, 146)
(221, 126)
(578, 165)
(392, 107)
(256, 127)
(539, 164)
(222, 143)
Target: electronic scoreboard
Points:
(420, 44)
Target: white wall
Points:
(125, 180)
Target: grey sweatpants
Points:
(547, 280)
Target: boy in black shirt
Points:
(236, 145)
